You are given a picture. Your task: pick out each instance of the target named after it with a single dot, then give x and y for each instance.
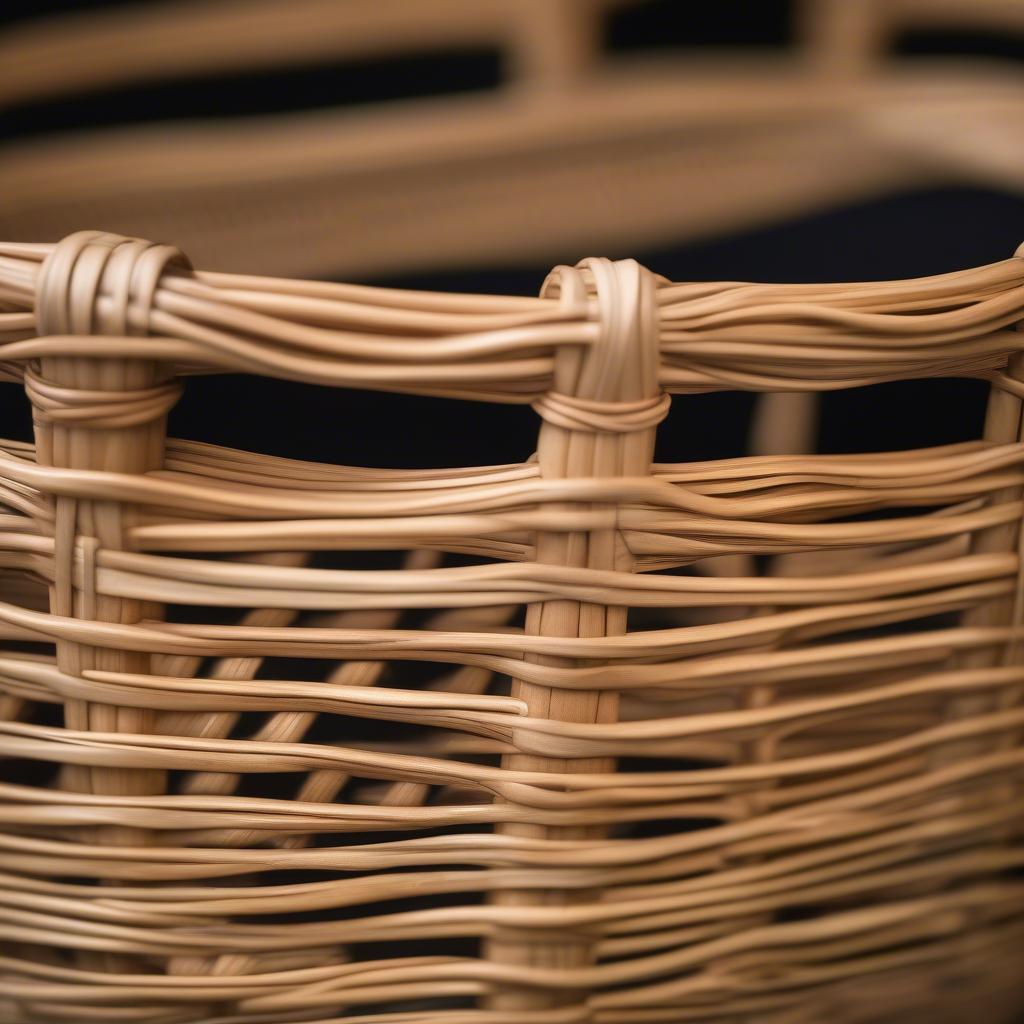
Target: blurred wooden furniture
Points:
(575, 151)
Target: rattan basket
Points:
(619, 742)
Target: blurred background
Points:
(471, 144)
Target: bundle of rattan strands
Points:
(614, 741)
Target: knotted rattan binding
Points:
(678, 788)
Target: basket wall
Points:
(582, 739)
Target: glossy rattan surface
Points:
(604, 741)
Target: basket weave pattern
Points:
(613, 742)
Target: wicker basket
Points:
(579, 759)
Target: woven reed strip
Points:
(712, 336)
(875, 777)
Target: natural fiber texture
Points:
(674, 789)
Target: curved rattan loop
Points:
(623, 358)
(94, 282)
(618, 375)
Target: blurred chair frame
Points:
(575, 151)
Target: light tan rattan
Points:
(819, 812)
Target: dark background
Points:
(904, 235)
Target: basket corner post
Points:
(598, 428)
(99, 413)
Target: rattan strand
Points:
(819, 814)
